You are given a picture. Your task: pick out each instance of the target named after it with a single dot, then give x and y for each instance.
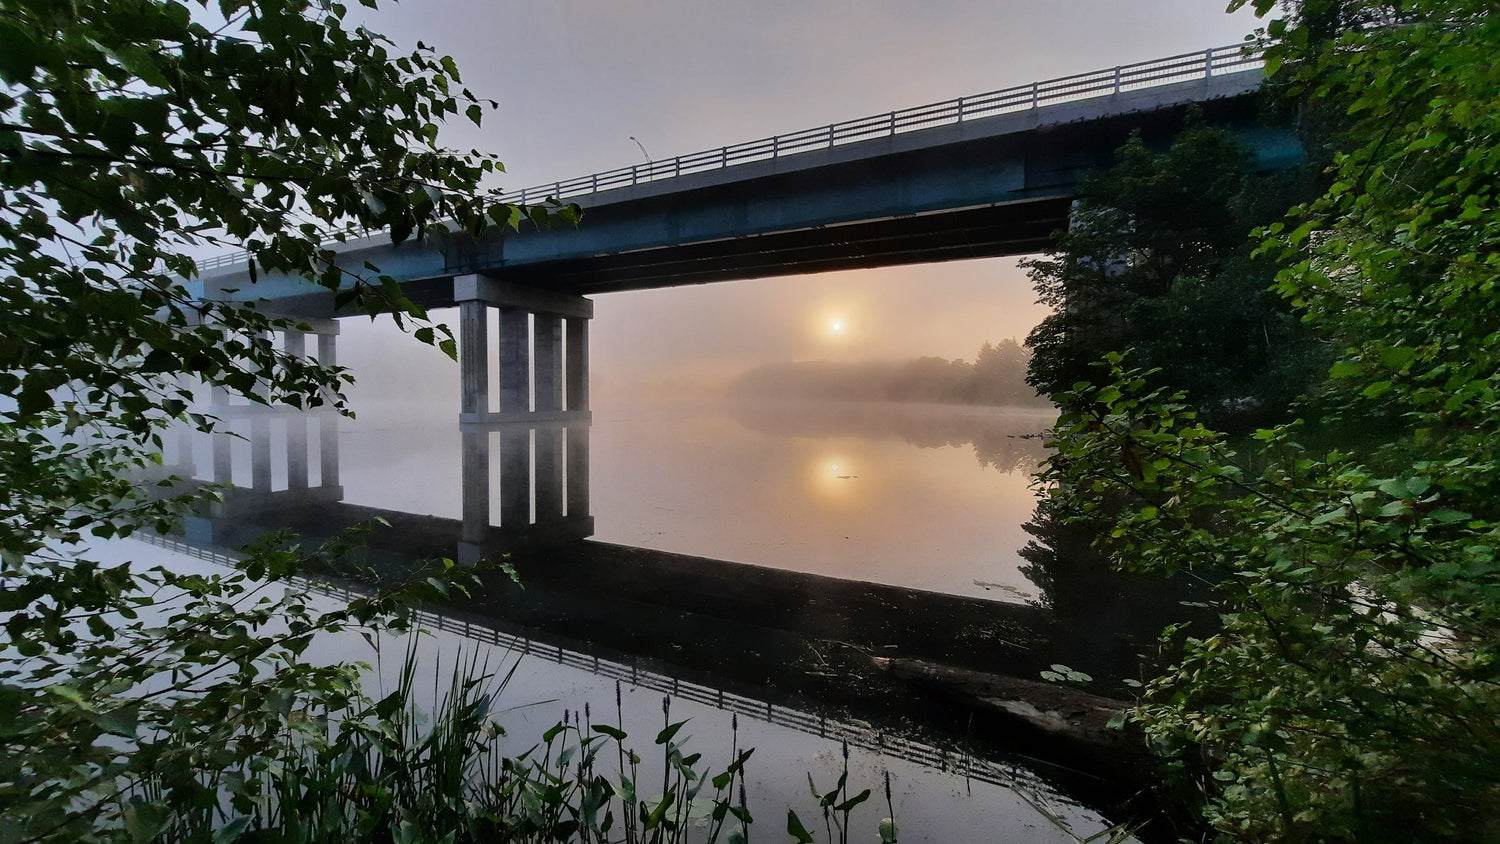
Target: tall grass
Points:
(382, 771)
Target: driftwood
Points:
(1051, 708)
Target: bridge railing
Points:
(1132, 77)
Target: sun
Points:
(835, 326)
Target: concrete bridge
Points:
(982, 176)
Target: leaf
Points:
(18, 54)
(144, 821)
(795, 828)
(669, 731)
(122, 721)
(853, 801)
(231, 831)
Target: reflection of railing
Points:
(1130, 77)
(983, 770)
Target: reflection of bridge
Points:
(974, 177)
(634, 673)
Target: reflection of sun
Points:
(837, 326)
(835, 478)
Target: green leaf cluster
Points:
(1157, 260)
(1352, 693)
(135, 137)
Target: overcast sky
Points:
(576, 79)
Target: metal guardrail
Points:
(1098, 83)
(1018, 779)
(1184, 67)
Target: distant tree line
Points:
(996, 377)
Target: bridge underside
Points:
(1016, 228)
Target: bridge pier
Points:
(263, 420)
(542, 416)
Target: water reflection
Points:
(941, 793)
(833, 488)
(1003, 438)
(844, 491)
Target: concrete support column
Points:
(515, 361)
(222, 441)
(515, 398)
(578, 363)
(542, 352)
(473, 358)
(296, 425)
(549, 362)
(328, 420)
(186, 466)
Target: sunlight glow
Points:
(835, 480)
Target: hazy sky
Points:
(576, 79)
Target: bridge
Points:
(981, 176)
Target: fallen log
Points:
(1049, 707)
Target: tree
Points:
(135, 134)
(1353, 693)
(1157, 260)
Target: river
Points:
(749, 561)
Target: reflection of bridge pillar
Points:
(296, 426)
(549, 399)
(260, 450)
(184, 465)
(543, 343)
(257, 423)
(578, 435)
(222, 439)
(328, 420)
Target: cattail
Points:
(617, 695)
(565, 717)
(587, 716)
(887, 786)
(846, 750)
(666, 705)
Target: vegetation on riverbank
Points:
(997, 377)
(1353, 693)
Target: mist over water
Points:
(925, 496)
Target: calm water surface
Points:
(925, 497)
(922, 497)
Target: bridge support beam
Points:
(542, 413)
